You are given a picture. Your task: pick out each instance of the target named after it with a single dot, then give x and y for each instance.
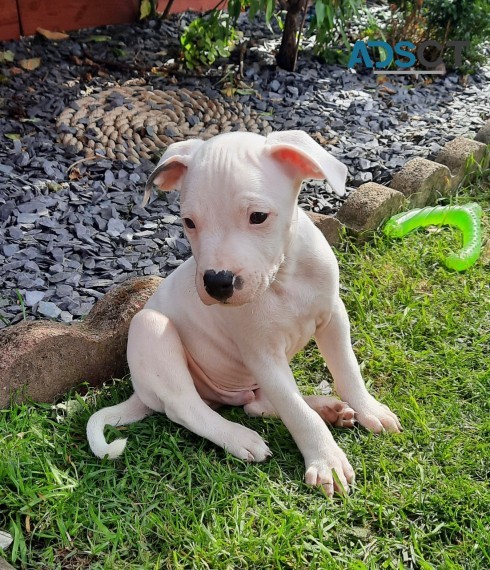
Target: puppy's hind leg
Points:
(162, 380)
(128, 412)
(330, 409)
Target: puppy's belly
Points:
(237, 390)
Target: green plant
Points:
(21, 303)
(407, 21)
(254, 7)
(330, 20)
(463, 20)
(208, 38)
(443, 21)
(329, 24)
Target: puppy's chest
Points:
(290, 317)
(286, 321)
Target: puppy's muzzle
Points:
(219, 285)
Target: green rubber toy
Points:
(466, 218)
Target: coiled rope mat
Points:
(131, 123)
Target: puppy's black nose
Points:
(219, 285)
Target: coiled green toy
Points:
(466, 218)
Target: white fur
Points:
(185, 338)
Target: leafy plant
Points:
(407, 21)
(21, 303)
(463, 20)
(330, 19)
(329, 23)
(443, 21)
(208, 38)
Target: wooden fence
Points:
(23, 17)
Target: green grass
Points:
(422, 500)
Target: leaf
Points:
(254, 8)
(119, 52)
(6, 56)
(54, 36)
(234, 9)
(75, 174)
(30, 64)
(269, 9)
(12, 136)
(145, 9)
(320, 12)
(228, 91)
(99, 38)
(246, 91)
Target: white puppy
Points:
(222, 328)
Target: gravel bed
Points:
(70, 228)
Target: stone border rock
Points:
(43, 359)
(4, 565)
(422, 181)
(419, 183)
(40, 360)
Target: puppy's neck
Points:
(292, 251)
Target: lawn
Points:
(422, 500)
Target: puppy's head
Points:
(238, 204)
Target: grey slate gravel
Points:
(70, 228)
(48, 309)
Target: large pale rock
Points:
(330, 227)
(483, 135)
(41, 359)
(456, 156)
(422, 181)
(4, 565)
(368, 206)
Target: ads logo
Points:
(402, 56)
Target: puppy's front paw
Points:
(320, 473)
(246, 444)
(377, 417)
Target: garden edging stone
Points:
(483, 135)
(422, 181)
(43, 359)
(367, 207)
(331, 227)
(4, 565)
(456, 155)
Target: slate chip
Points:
(33, 297)
(9, 250)
(115, 227)
(48, 309)
(24, 219)
(6, 209)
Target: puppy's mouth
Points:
(209, 301)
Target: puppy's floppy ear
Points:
(171, 168)
(304, 158)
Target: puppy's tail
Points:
(132, 410)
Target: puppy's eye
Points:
(189, 223)
(258, 217)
